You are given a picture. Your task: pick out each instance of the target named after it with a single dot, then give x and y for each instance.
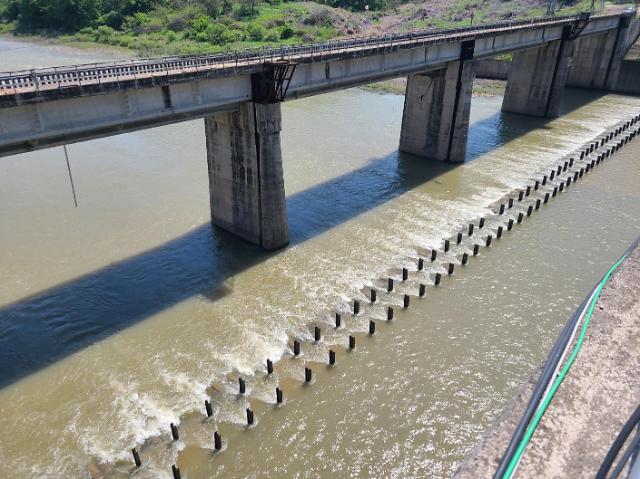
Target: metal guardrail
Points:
(98, 73)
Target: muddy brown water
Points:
(123, 315)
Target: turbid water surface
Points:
(123, 315)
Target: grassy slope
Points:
(170, 31)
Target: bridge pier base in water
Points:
(246, 181)
(435, 121)
(537, 78)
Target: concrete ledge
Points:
(595, 399)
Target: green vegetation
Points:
(461, 13)
(505, 57)
(154, 27)
(175, 26)
(397, 86)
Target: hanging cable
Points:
(73, 188)
(515, 460)
(625, 432)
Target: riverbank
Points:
(397, 86)
(100, 48)
(594, 401)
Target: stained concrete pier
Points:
(536, 81)
(245, 174)
(591, 62)
(435, 120)
(598, 61)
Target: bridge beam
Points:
(246, 181)
(435, 120)
(537, 79)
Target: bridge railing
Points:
(98, 73)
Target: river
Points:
(124, 314)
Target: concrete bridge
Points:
(239, 96)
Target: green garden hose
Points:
(515, 460)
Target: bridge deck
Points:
(171, 70)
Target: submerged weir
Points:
(514, 206)
(135, 313)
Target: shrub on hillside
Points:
(59, 15)
(140, 18)
(200, 24)
(321, 17)
(220, 34)
(112, 19)
(178, 24)
(256, 32)
(287, 32)
(246, 9)
(358, 5)
(272, 36)
(104, 34)
(10, 11)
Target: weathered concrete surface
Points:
(634, 33)
(623, 42)
(593, 402)
(435, 120)
(537, 78)
(629, 78)
(591, 60)
(245, 174)
(589, 64)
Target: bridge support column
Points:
(537, 78)
(245, 174)
(435, 121)
(622, 42)
(591, 60)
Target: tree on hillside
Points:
(212, 7)
(70, 15)
(248, 8)
(55, 14)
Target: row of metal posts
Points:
(555, 172)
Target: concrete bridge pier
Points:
(622, 43)
(597, 58)
(591, 60)
(435, 121)
(246, 181)
(537, 79)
